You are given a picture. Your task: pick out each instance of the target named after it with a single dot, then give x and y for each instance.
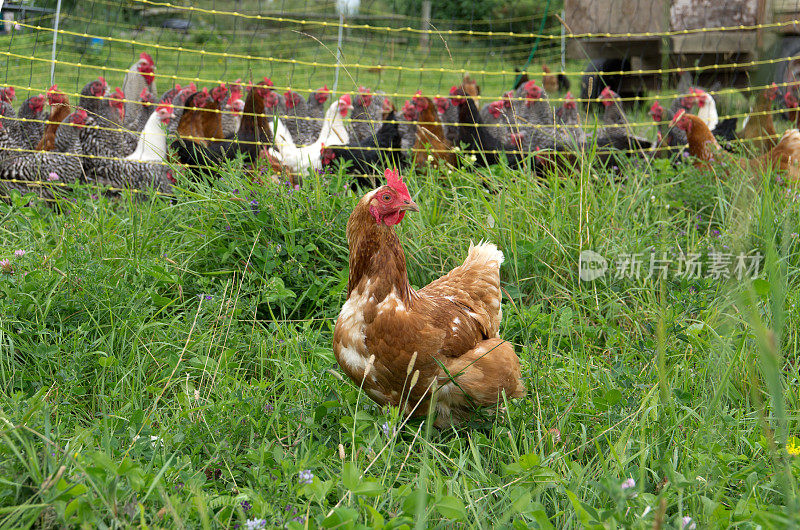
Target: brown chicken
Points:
(549, 80)
(430, 138)
(470, 87)
(59, 109)
(759, 131)
(402, 346)
(201, 121)
(784, 157)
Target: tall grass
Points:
(169, 363)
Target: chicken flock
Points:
(135, 138)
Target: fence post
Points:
(563, 43)
(424, 38)
(338, 52)
(55, 41)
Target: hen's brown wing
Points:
(475, 286)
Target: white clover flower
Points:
(305, 477)
(628, 484)
(255, 524)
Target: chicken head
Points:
(607, 96)
(7, 94)
(657, 112)
(390, 203)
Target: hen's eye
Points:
(386, 197)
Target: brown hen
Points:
(402, 346)
(59, 109)
(784, 157)
(430, 138)
(759, 131)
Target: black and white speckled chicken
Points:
(111, 169)
(232, 107)
(567, 116)
(495, 117)
(448, 115)
(315, 105)
(168, 96)
(133, 126)
(372, 153)
(408, 119)
(32, 118)
(9, 136)
(131, 174)
(8, 94)
(102, 136)
(616, 131)
(140, 76)
(92, 95)
(10, 144)
(367, 115)
(408, 127)
(33, 171)
(293, 111)
(533, 120)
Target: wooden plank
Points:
(697, 14)
(613, 16)
(786, 6)
(612, 47)
(709, 43)
(791, 27)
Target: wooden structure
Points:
(695, 48)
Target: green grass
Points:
(169, 364)
(206, 323)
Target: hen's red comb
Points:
(395, 181)
(678, 116)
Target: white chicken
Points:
(707, 110)
(298, 159)
(152, 146)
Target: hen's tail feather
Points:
(484, 253)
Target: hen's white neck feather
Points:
(152, 144)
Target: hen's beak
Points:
(409, 206)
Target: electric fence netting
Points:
(416, 82)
